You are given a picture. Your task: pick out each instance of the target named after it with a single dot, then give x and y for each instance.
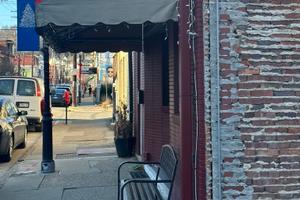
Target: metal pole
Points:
(79, 89)
(66, 121)
(47, 165)
(74, 100)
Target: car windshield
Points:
(6, 87)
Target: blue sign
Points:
(27, 38)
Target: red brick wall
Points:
(156, 115)
(260, 131)
(175, 138)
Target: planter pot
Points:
(125, 146)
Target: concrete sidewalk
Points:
(74, 179)
(85, 161)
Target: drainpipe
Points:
(185, 105)
(215, 99)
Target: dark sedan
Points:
(13, 129)
(57, 97)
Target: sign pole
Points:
(66, 122)
(80, 69)
(47, 165)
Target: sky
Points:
(8, 13)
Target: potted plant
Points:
(124, 139)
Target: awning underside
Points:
(100, 37)
(98, 25)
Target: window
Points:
(6, 87)
(26, 88)
(176, 70)
(165, 73)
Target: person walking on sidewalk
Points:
(90, 90)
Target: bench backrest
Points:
(167, 170)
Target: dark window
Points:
(7, 87)
(26, 88)
(176, 70)
(165, 73)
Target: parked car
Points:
(13, 128)
(57, 97)
(65, 86)
(26, 94)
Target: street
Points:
(87, 135)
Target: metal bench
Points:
(153, 182)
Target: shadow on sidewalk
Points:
(74, 179)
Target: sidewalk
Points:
(74, 179)
(85, 162)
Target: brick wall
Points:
(207, 85)
(156, 115)
(260, 130)
(175, 138)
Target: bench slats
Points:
(149, 192)
(149, 188)
(138, 174)
(142, 191)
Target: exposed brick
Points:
(259, 69)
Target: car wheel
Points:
(7, 157)
(23, 144)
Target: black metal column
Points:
(80, 85)
(47, 165)
(74, 100)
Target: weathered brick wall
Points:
(260, 129)
(207, 80)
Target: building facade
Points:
(231, 107)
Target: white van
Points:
(27, 94)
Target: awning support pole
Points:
(47, 165)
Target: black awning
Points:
(98, 25)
